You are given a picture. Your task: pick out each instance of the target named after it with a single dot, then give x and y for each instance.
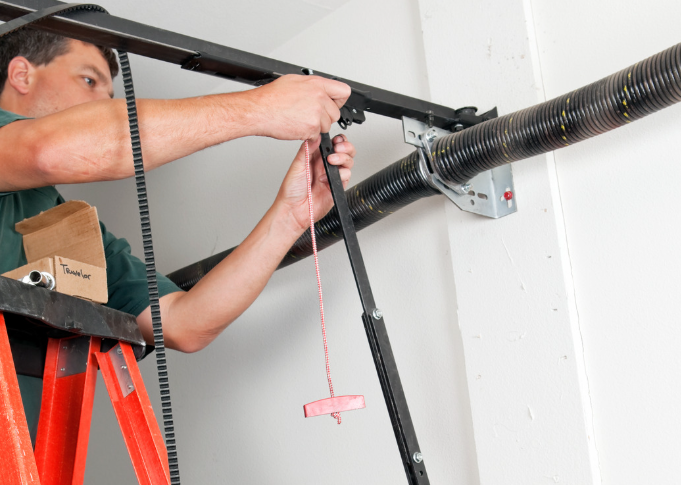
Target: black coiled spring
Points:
(619, 99)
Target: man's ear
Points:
(20, 74)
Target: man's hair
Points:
(40, 48)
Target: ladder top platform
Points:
(57, 315)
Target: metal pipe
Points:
(39, 278)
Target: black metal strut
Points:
(386, 366)
(214, 59)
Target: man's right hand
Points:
(296, 107)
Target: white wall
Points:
(540, 348)
(619, 195)
(524, 364)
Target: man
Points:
(60, 125)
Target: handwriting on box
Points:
(79, 272)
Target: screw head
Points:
(377, 314)
(458, 127)
(131, 387)
(418, 457)
(466, 188)
(119, 351)
(431, 135)
(124, 367)
(63, 369)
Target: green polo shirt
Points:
(126, 274)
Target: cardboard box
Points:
(66, 241)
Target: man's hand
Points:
(293, 191)
(229, 288)
(297, 107)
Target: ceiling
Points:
(258, 26)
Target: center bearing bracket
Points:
(489, 194)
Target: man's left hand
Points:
(293, 191)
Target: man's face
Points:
(79, 76)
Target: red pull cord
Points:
(319, 280)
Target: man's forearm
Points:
(192, 320)
(91, 142)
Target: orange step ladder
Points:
(69, 379)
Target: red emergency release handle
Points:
(335, 404)
(332, 405)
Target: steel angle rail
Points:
(214, 59)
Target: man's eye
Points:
(89, 81)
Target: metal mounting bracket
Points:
(73, 356)
(489, 194)
(121, 370)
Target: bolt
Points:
(63, 369)
(119, 351)
(124, 367)
(64, 347)
(508, 195)
(465, 188)
(418, 457)
(430, 118)
(458, 127)
(131, 387)
(431, 135)
(377, 314)
(354, 110)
